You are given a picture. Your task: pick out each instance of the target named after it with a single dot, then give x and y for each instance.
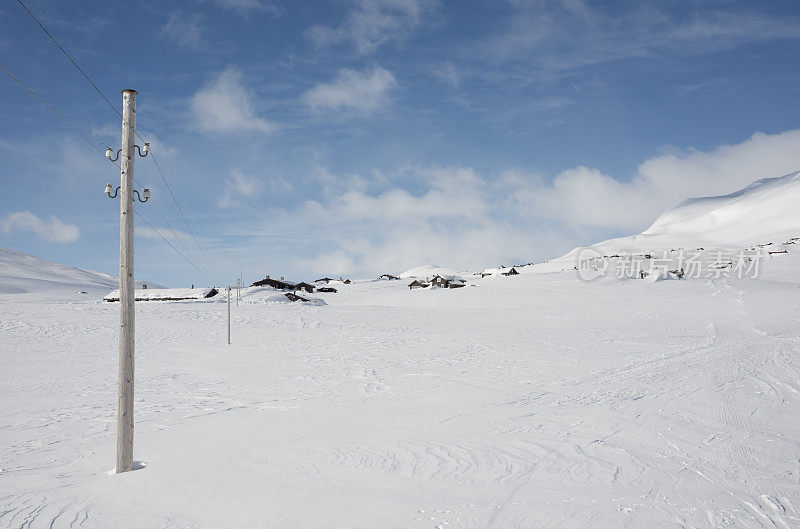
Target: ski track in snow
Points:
(597, 405)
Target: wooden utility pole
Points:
(126, 287)
(229, 315)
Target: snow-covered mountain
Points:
(21, 273)
(766, 211)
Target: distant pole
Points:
(229, 315)
(126, 287)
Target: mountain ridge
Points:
(23, 273)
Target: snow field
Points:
(528, 401)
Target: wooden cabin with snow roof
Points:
(280, 284)
(418, 284)
(304, 286)
(502, 271)
(448, 281)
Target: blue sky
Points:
(356, 137)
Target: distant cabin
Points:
(326, 289)
(503, 271)
(304, 286)
(279, 284)
(388, 276)
(166, 294)
(448, 281)
(418, 284)
(324, 280)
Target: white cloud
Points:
(454, 193)
(462, 219)
(372, 23)
(185, 30)
(549, 39)
(225, 105)
(362, 91)
(457, 220)
(53, 230)
(245, 7)
(397, 249)
(587, 197)
(238, 188)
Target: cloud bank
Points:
(53, 230)
(587, 197)
(463, 219)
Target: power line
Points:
(164, 178)
(60, 114)
(178, 239)
(74, 125)
(70, 58)
(67, 55)
(170, 244)
(174, 232)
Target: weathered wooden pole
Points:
(126, 287)
(229, 315)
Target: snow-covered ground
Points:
(529, 401)
(536, 401)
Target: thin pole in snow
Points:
(126, 289)
(126, 285)
(229, 315)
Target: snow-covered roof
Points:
(450, 278)
(497, 271)
(165, 294)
